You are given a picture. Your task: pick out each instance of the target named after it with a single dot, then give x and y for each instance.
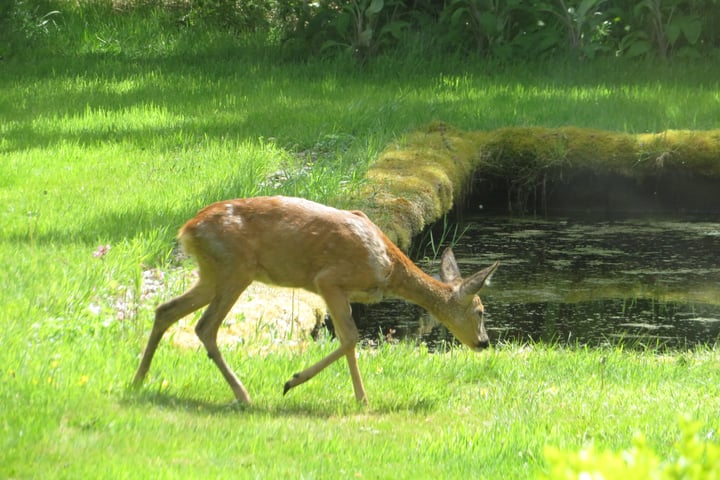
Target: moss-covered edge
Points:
(413, 184)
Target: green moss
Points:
(694, 151)
(413, 185)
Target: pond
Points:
(643, 282)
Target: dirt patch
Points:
(262, 318)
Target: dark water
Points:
(643, 282)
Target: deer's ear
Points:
(449, 271)
(472, 285)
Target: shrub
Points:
(694, 457)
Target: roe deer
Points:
(340, 255)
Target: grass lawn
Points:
(453, 414)
(117, 148)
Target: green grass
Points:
(448, 415)
(114, 130)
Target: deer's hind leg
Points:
(207, 330)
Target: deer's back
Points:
(290, 241)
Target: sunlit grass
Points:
(457, 413)
(117, 130)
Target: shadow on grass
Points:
(116, 226)
(284, 407)
(171, 401)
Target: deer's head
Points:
(465, 318)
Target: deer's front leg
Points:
(358, 386)
(310, 372)
(347, 333)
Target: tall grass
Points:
(114, 129)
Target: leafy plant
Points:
(245, 16)
(27, 26)
(668, 29)
(490, 23)
(670, 26)
(357, 29)
(361, 30)
(585, 24)
(31, 22)
(507, 28)
(695, 457)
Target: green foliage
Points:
(695, 456)
(585, 24)
(491, 24)
(357, 29)
(362, 30)
(511, 29)
(667, 28)
(26, 24)
(235, 16)
(368, 26)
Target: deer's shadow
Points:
(288, 407)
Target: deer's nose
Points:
(482, 344)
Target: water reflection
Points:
(647, 282)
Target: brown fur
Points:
(340, 255)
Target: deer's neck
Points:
(412, 284)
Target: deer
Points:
(340, 255)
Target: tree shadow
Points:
(119, 225)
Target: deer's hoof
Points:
(289, 384)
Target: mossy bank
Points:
(413, 183)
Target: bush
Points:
(695, 457)
(26, 24)
(505, 30)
